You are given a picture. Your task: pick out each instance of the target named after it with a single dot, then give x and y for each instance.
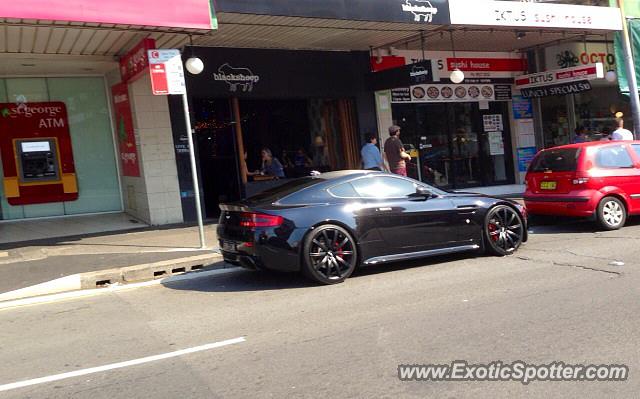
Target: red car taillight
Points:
(253, 220)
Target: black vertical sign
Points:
(183, 163)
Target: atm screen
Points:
(38, 160)
(35, 146)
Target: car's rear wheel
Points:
(611, 213)
(330, 254)
(503, 230)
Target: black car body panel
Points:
(385, 229)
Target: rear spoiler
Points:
(234, 208)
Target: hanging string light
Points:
(457, 76)
(611, 75)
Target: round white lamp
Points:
(611, 76)
(457, 76)
(194, 65)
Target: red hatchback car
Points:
(598, 180)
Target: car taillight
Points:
(580, 180)
(253, 220)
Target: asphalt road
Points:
(557, 299)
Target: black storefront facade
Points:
(311, 109)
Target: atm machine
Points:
(37, 156)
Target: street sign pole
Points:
(194, 171)
(167, 77)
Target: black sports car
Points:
(327, 225)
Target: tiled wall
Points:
(154, 197)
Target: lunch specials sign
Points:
(559, 82)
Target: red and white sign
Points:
(560, 76)
(167, 73)
(535, 15)
(136, 61)
(487, 64)
(474, 64)
(192, 14)
(130, 164)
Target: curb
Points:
(71, 295)
(122, 275)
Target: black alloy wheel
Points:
(503, 230)
(330, 254)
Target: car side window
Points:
(344, 190)
(636, 148)
(614, 157)
(384, 187)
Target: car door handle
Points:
(385, 209)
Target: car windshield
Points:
(556, 160)
(276, 193)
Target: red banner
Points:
(130, 165)
(386, 62)
(136, 60)
(488, 64)
(192, 14)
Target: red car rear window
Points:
(556, 160)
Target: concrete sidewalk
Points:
(25, 264)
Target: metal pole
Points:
(194, 171)
(631, 72)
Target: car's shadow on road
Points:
(241, 280)
(562, 225)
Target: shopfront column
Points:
(153, 197)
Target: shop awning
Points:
(632, 10)
(183, 14)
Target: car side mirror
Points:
(423, 192)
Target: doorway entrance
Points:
(463, 145)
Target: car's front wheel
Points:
(330, 254)
(611, 213)
(503, 230)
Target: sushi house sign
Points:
(560, 81)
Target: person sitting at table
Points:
(270, 165)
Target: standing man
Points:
(621, 133)
(371, 156)
(395, 153)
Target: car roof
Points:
(591, 144)
(346, 173)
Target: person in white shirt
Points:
(621, 133)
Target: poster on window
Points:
(129, 163)
(492, 122)
(496, 144)
(437, 92)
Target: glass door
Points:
(460, 144)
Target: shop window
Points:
(91, 137)
(614, 157)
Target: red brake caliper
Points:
(339, 251)
(493, 231)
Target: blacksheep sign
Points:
(236, 77)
